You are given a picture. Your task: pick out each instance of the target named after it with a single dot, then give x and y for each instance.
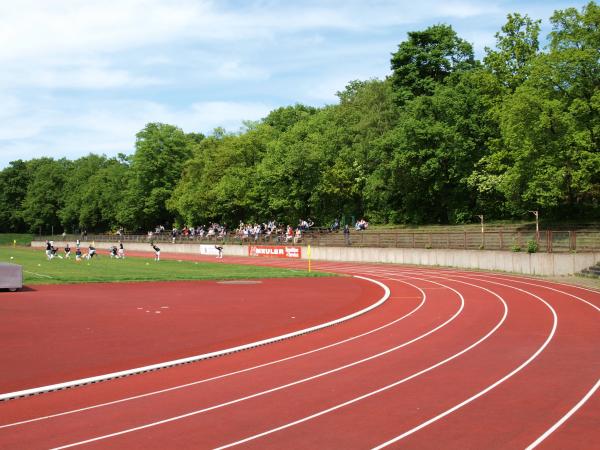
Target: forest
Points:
(443, 138)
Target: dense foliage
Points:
(445, 137)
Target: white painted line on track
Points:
(237, 372)
(384, 388)
(490, 387)
(563, 419)
(124, 373)
(285, 386)
(597, 308)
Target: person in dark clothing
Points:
(347, 235)
(156, 252)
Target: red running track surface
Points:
(453, 359)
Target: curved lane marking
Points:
(281, 387)
(564, 418)
(237, 372)
(490, 387)
(384, 388)
(152, 367)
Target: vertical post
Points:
(501, 241)
(482, 231)
(465, 240)
(549, 241)
(413, 236)
(536, 213)
(308, 254)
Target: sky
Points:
(84, 76)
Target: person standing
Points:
(220, 250)
(156, 252)
(347, 234)
(67, 251)
(121, 250)
(48, 250)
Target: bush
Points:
(532, 247)
(516, 248)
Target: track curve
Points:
(454, 358)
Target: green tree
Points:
(161, 152)
(14, 181)
(45, 194)
(426, 59)
(516, 46)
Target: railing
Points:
(547, 241)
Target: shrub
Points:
(532, 246)
(516, 248)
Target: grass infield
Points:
(38, 270)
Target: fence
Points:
(547, 241)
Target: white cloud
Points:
(236, 70)
(110, 127)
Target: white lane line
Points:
(237, 372)
(490, 387)
(597, 308)
(123, 373)
(563, 419)
(277, 388)
(541, 284)
(384, 388)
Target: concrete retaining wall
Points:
(549, 264)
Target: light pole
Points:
(536, 213)
(482, 230)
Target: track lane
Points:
(418, 322)
(589, 409)
(214, 424)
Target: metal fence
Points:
(546, 241)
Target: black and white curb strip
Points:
(191, 359)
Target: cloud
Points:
(236, 70)
(109, 127)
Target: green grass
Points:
(20, 239)
(38, 270)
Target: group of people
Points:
(52, 251)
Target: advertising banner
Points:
(274, 251)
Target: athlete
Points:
(156, 252)
(220, 250)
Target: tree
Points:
(44, 198)
(426, 59)
(517, 45)
(14, 181)
(161, 152)
(549, 154)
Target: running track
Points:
(451, 360)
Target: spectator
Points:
(298, 236)
(347, 234)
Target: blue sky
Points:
(84, 76)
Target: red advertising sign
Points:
(274, 251)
